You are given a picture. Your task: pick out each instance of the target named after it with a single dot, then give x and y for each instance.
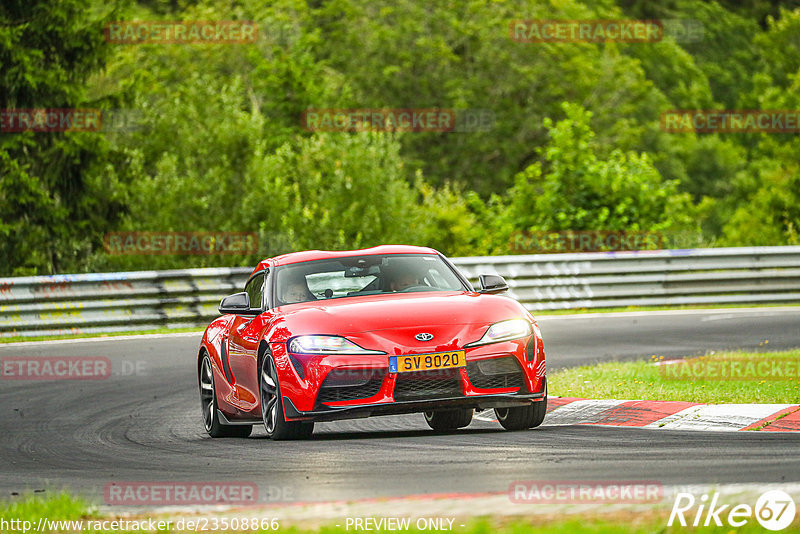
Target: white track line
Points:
(707, 311)
(101, 338)
(579, 412)
(725, 417)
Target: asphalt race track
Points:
(572, 340)
(143, 424)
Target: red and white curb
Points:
(672, 415)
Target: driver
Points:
(296, 290)
(402, 280)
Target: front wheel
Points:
(276, 425)
(443, 420)
(522, 417)
(208, 403)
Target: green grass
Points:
(662, 308)
(648, 381)
(634, 523)
(621, 522)
(164, 330)
(32, 507)
(66, 507)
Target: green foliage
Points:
(575, 189)
(780, 46)
(771, 215)
(575, 142)
(725, 54)
(450, 220)
(332, 191)
(53, 201)
(459, 55)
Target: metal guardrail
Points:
(114, 302)
(143, 300)
(647, 278)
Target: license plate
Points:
(427, 362)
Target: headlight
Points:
(326, 345)
(504, 331)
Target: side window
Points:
(255, 290)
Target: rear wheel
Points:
(522, 417)
(276, 425)
(443, 420)
(208, 403)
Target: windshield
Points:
(364, 275)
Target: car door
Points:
(242, 346)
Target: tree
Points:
(459, 55)
(574, 189)
(332, 190)
(53, 199)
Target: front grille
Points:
(495, 373)
(344, 385)
(428, 385)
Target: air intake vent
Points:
(351, 384)
(495, 373)
(428, 385)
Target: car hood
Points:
(390, 322)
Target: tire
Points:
(208, 403)
(444, 420)
(275, 423)
(522, 417)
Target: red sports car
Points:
(321, 336)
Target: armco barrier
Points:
(108, 302)
(646, 278)
(112, 302)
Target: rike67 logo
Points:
(774, 510)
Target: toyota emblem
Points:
(424, 336)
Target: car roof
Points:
(312, 255)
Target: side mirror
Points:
(237, 304)
(492, 283)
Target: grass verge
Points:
(64, 507)
(664, 308)
(18, 339)
(653, 380)
(31, 508)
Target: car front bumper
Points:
(478, 402)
